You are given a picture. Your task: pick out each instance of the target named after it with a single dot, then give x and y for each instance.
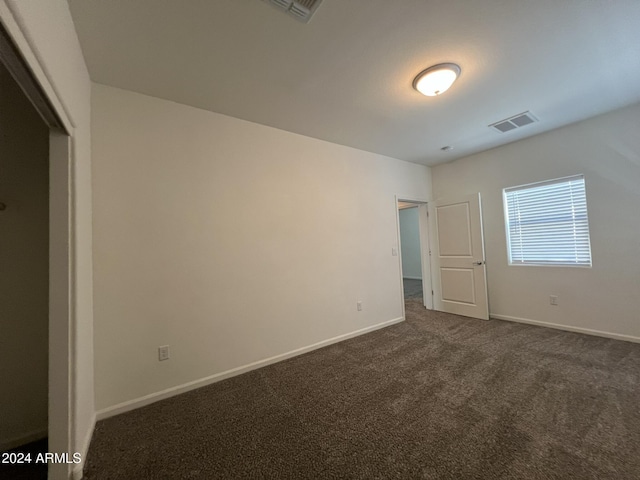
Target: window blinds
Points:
(547, 223)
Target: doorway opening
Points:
(410, 251)
(413, 242)
(35, 259)
(24, 271)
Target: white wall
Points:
(410, 242)
(231, 242)
(24, 267)
(46, 36)
(606, 149)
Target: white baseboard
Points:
(185, 387)
(23, 439)
(77, 472)
(568, 328)
(405, 277)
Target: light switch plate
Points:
(163, 353)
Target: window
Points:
(547, 223)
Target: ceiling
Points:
(346, 77)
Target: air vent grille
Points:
(517, 121)
(286, 4)
(301, 10)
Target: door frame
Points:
(23, 62)
(425, 252)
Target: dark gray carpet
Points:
(436, 397)
(412, 289)
(25, 471)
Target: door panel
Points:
(454, 225)
(459, 280)
(458, 285)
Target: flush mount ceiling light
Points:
(437, 79)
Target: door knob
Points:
(479, 263)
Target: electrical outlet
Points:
(359, 305)
(163, 353)
(553, 300)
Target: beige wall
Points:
(24, 271)
(231, 242)
(606, 149)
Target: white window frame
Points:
(543, 263)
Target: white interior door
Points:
(459, 280)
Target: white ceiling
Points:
(346, 76)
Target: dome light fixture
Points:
(437, 79)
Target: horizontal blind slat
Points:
(547, 223)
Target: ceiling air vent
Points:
(514, 122)
(286, 4)
(301, 10)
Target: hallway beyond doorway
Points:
(412, 289)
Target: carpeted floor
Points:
(412, 289)
(436, 397)
(28, 470)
